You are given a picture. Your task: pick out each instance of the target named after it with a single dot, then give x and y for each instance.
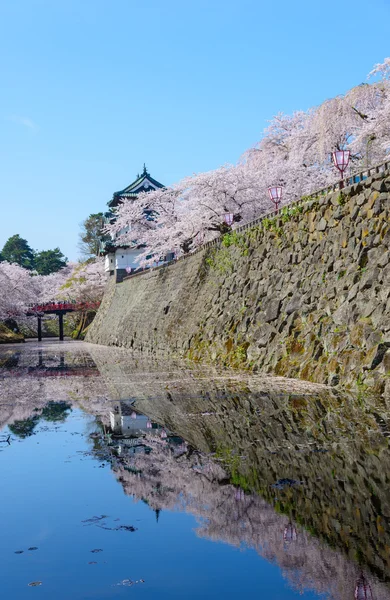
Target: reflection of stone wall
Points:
(306, 298)
(194, 483)
(335, 445)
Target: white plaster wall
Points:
(126, 258)
(109, 262)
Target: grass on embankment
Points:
(9, 337)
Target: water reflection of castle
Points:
(129, 429)
(126, 421)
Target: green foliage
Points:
(7, 336)
(56, 412)
(289, 212)
(239, 354)
(49, 261)
(267, 223)
(341, 199)
(220, 260)
(91, 235)
(24, 428)
(236, 239)
(228, 457)
(271, 225)
(16, 250)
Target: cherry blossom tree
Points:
(85, 282)
(22, 288)
(18, 289)
(294, 152)
(178, 218)
(50, 285)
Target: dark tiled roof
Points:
(132, 190)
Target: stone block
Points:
(369, 278)
(294, 304)
(272, 311)
(360, 200)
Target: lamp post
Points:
(275, 195)
(229, 218)
(340, 160)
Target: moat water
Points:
(127, 477)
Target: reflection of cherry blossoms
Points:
(196, 484)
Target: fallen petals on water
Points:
(129, 582)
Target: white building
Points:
(121, 260)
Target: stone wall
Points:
(303, 295)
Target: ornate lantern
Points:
(229, 218)
(363, 589)
(275, 195)
(164, 434)
(340, 160)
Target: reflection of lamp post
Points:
(239, 494)
(229, 218)
(275, 195)
(133, 415)
(363, 589)
(290, 533)
(340, 160)
(149, 424)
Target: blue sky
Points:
(92, 89)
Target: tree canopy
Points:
(17, 250)
(91, 235)
(49, 261)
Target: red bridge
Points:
(60, 309)
(50, 308)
